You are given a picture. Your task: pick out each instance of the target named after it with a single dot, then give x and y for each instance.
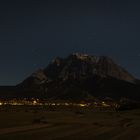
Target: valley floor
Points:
(26, 123)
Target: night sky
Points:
(33, 32)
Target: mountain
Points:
(81, 76)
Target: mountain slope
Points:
(82, 76)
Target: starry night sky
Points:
(33, 32)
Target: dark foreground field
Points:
(41, 123)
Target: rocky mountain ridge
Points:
(81, 76)
(80, 66)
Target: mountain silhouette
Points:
(81, 76)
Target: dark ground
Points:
(42, 123)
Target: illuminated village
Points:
(40, 102)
